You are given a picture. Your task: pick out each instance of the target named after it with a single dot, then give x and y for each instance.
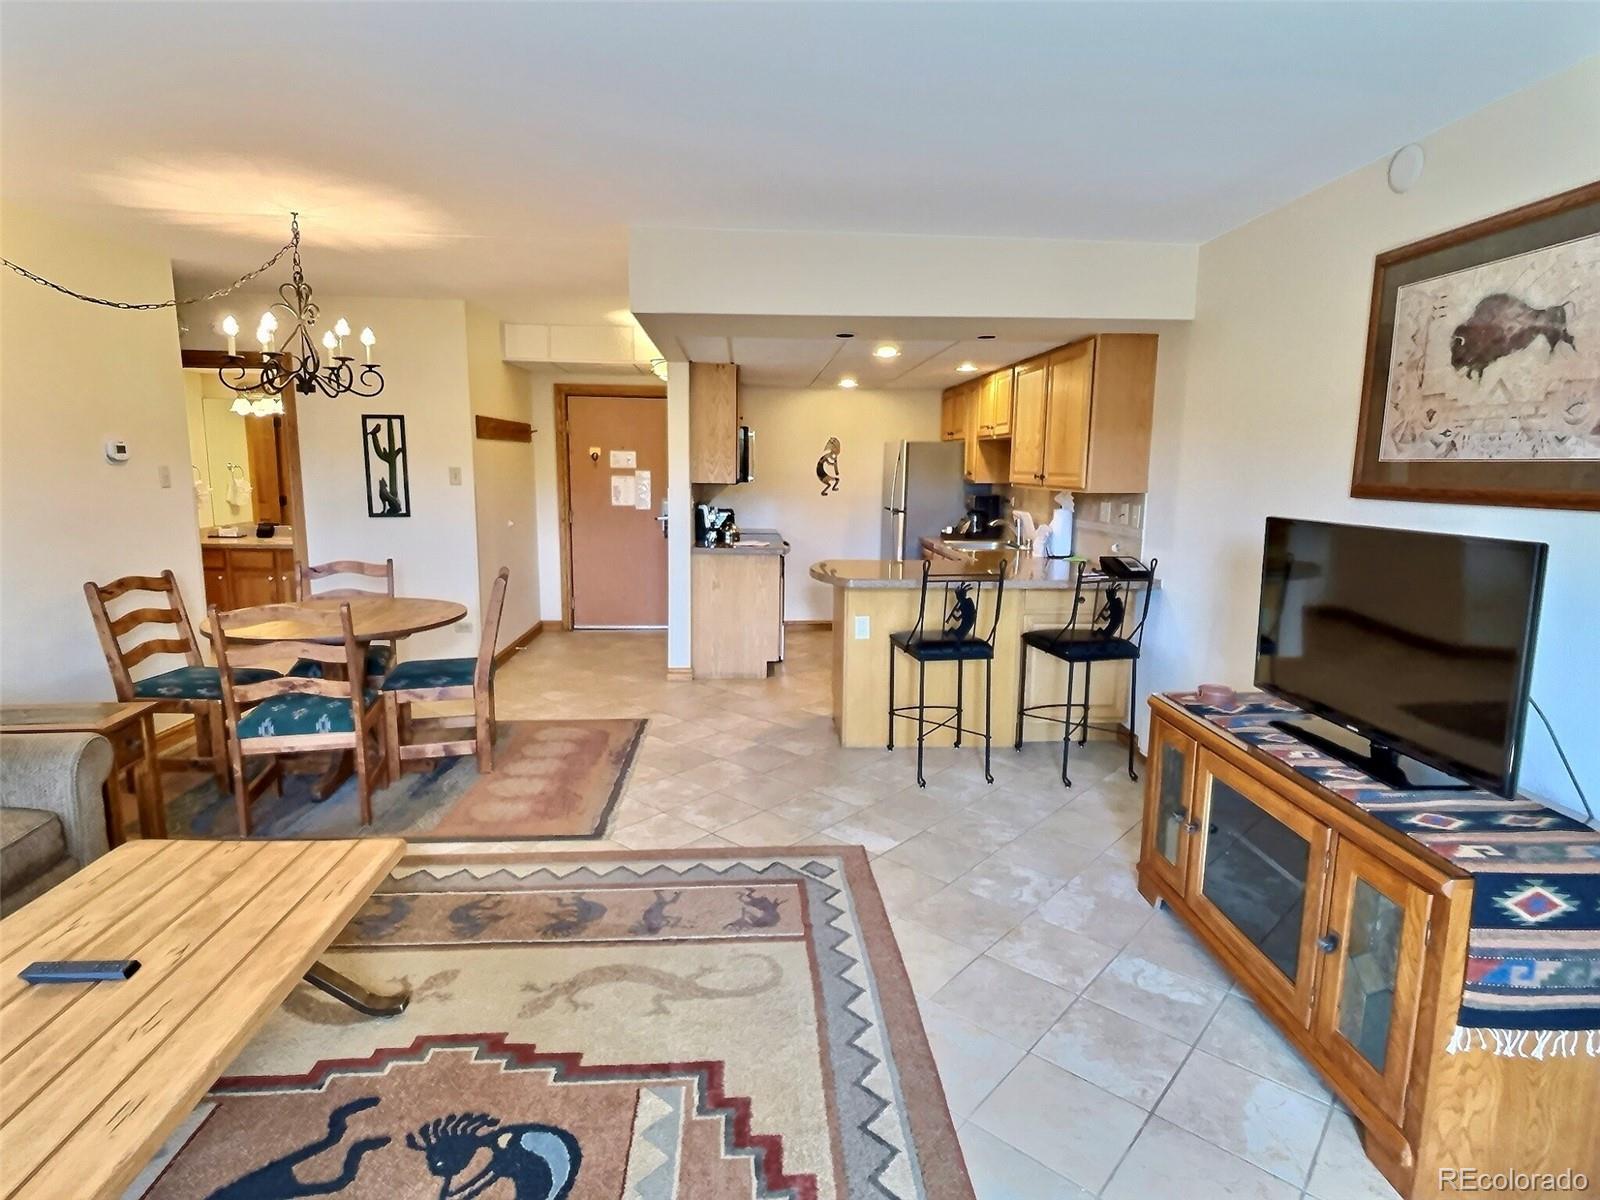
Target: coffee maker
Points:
(714, 526)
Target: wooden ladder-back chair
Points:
(193, 689)
(379, 657)
(447, 679)
(295, 714)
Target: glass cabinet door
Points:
(1167, 799)
(1257, 878)
(1367, 1006)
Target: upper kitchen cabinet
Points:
(994, 405)
(954, 407)
(1082, 422)
(713, 423)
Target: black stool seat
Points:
(940, 647)
(1081, 645)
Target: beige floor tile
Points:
(1009, 1003)
(1272, 1126)
(1124, 1057)
(971, 1060)
(976, 827)
(1079, 906)
(999, 1172)
(717, 776)
(1007, 883)
(936, 856)
(1068, 1124)
(1047, 853)
(764, 791)
(965, 918)
(1165, 940)
(1239, 1034)
(1343, 1171)
(877, 831)
(714, 811)
(813, 810)
(1168, 1161)
(1157, 996)
(932, 960)
(902, 887)
(1068, 959)
(661, 832)
(764, 829)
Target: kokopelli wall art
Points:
(388, 472)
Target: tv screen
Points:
(1422, 642)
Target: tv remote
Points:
(81, 971)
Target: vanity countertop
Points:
(281, 540)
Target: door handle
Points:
(1328, 942)
(662, 521)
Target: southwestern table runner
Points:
(1533, 957)
(713, 1024)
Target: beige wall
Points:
(791, 427)
(72, 375)
(1261, 417)
(422, 346)
(503, 476)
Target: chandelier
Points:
(298, 362)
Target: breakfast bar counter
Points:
(873, 598)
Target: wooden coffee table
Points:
(128, 726)
(96, 1076)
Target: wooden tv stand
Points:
(1352, 938)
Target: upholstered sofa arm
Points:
(60, 773)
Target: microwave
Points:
(747, 455)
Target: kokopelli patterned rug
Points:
(723, 1025)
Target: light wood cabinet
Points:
(1028, 422)
(245, 576)
(987, 459)
(736, 613)
(994, 405)
(954, 408)
(1352, 940)
(713, 423)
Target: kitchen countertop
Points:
(774, 540)
(281, 540)
(1022, 571)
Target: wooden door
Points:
(616, 548)
(1371, 986)
(263, 439)
(1027, 424)
(1066, 434)
(1169, 792)
(1256, 875)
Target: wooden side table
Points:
(130, 729)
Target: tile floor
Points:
(1088, 1045)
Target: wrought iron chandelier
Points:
(298, 362)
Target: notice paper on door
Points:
(624, 459)
(622, 491)
(641, 490)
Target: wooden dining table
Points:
(373, 619)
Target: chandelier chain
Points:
(131, 306)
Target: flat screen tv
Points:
(1419, 643)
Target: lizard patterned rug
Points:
(708, 1026)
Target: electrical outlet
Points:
(463, 627)
(455, 476)
(863, 628)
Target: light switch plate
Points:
(455, 476)
(863, 628)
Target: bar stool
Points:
(954, 641)
(1106, 639)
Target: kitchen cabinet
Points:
(954, 407)
(244, 576)
(1028, 422)
(736, 608)
(994, 405)
(1351, 938)
(713, 423)
(1081, 417)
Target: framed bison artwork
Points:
(1482, 382)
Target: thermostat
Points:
(116, 450)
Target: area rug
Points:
(551, 780)
(723, 1025)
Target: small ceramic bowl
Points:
(1219, 694)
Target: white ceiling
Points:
(500, 152)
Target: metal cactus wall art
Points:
(388, 488)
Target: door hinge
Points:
(1427, 935)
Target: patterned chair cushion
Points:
(378, 660)
(288, 716)
(431, 673)
(195, 683)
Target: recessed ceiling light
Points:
(844, 335)
(986, 337)
(886, 352)
(849, 381)
(967, 368)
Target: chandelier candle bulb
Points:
(330, 342)
(369, 340)
(231, 328)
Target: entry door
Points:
(616, 549)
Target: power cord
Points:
(1562, 755)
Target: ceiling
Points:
(500, 152)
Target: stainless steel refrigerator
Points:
(923, 491)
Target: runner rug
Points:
(551, 780)
(723, 1025)
(1533, 953)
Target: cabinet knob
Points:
(1192, 827)
(1328, 942)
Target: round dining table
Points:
(372, 618)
